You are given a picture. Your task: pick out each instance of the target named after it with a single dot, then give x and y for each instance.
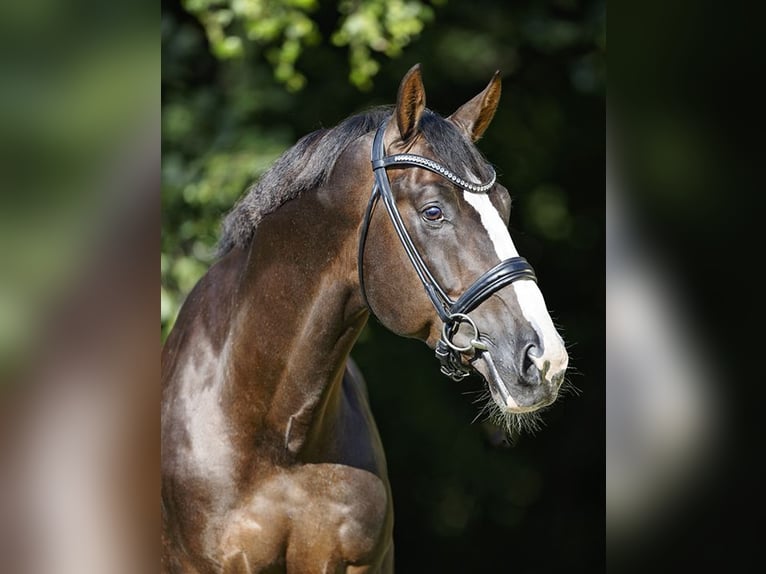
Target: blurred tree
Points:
(284, 28)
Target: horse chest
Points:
(313, 518)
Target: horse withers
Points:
(271, 460)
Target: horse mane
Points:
(309, 163)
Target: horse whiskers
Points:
(568, 388)
(572, 368)
(479, 395)
(513, 424)
(481, 411)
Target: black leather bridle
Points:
(452, 313)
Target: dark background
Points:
(461, 504)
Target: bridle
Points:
(452, 313)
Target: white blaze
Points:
(528, 294)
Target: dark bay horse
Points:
(271, 460)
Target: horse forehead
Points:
(418, 178)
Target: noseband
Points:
(452, 313)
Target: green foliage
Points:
(284, 29)
(386, 26)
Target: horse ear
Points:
(474, 116)
(410, 103)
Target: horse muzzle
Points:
(516, 392)
(521, 374)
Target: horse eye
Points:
(433, 213)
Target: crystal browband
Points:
(431, 165)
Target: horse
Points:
(271, 459)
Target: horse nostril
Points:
(526, 363)
(534, 351)
(528, 366)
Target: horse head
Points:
(465, 291)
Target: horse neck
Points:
(299, 316)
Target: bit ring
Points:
(456, 319)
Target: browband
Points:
(431, 165)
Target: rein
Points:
(452, 313)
